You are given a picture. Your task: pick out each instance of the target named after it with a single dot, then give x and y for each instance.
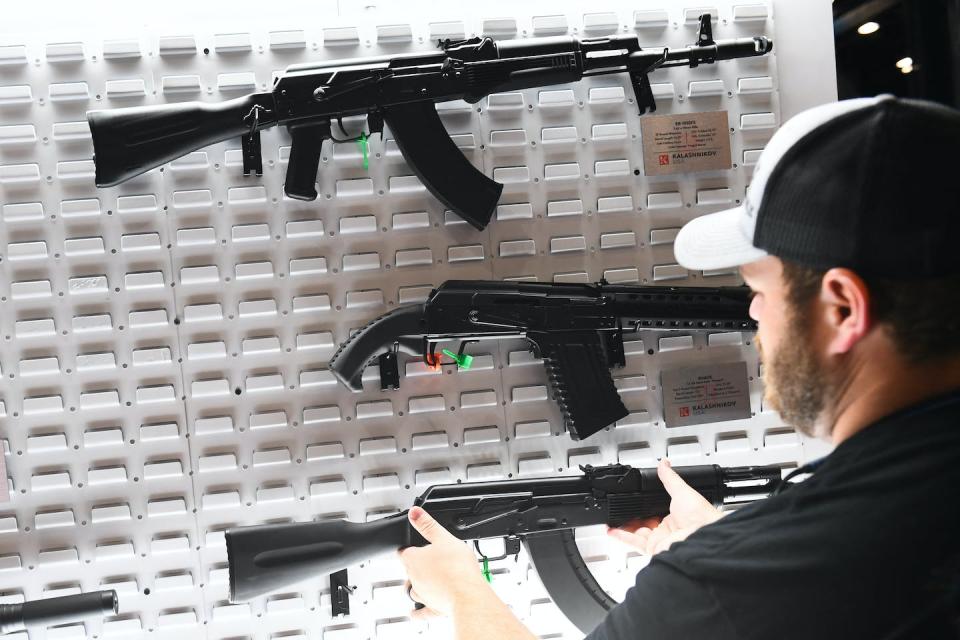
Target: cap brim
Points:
(715, 241)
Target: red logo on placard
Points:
(664, 159)
(684, 412)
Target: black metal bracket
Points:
(463, 346)
(643, 92)
(340, 591)
(252, 160)
(640, 80)
(389, 371)
(250, 144)
(375, 122)
(433, 359)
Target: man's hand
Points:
(442, 573)
(688, 512)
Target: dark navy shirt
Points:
(867, 547)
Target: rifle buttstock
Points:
(133, 140)
(269, 557)
(358, 350)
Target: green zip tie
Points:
(486, 570)
(363, 147)
(463, 360)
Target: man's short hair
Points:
(921, 316)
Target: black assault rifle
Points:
(540, 513)
(397, 90)
(576, 328)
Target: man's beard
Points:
(796, 383)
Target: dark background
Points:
(926, 30)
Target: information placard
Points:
(712, 393)
(685, 143)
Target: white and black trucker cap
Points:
(871, 184)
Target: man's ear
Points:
(845, 306)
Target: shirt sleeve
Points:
(666, 604)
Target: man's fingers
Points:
(407, 553)
(420, 611)
(640, 523)
(672, 482)
(427, 527)
(667, 525)
(636, 539)
(665, 529)
(667, 541)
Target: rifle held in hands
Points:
(540, 513)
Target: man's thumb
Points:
(672, 482)
(427, 527)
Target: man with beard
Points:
(847, 238)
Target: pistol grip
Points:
(577, 370)
(301, 182)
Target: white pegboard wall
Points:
(163, 343)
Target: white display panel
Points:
(163, 343)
